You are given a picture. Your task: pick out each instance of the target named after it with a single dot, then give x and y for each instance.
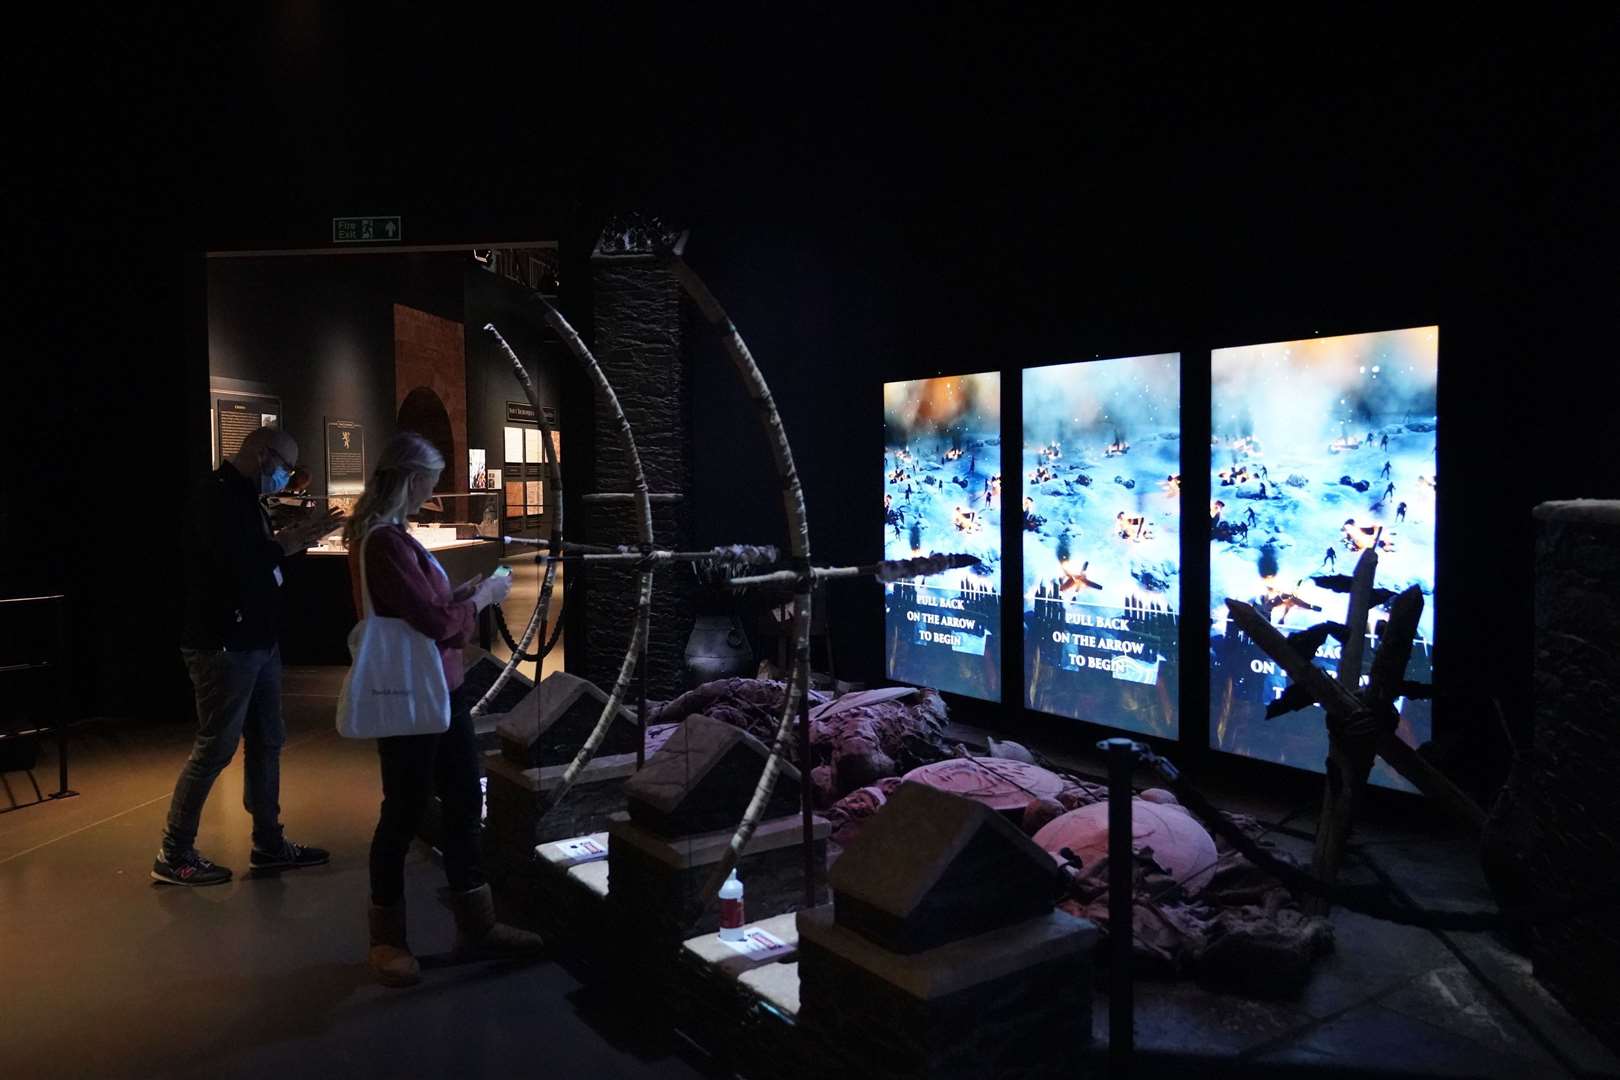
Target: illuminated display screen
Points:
(1102, 541)
(1321, 449)
(942, 493)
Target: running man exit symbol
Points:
(365, 230)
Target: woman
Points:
(407, 582)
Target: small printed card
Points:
(760, 944)
(581, 849)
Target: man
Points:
(232, 619)
(285, 511)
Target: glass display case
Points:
(447, 521)
(460, 528)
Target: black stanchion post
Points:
(807, 793)
(64, 683)
(641, 711)
(1121, 882)
(641, 678)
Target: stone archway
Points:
(430, 357)
(424, 412)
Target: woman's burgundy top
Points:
(407, 583)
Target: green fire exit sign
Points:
(366, 230)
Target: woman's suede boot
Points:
(390, 958)
(479, 935)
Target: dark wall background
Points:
(490, 382)
(873, 196)
(319, 332)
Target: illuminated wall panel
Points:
(1321, 449)
(942, 492)
(1102, 541)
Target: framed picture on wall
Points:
(239, 415)
(477, 470)
(345, 456)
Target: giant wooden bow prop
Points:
(798, 573)
(537, 621)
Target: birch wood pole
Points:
(799, 545)
(644, 534)
(538, 619)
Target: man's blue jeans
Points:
(238, 700)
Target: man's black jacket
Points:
(233, 597)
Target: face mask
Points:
(269, 485)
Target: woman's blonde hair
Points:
(405, 455)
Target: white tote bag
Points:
(395, 684)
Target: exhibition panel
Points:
(942, 493)
(1102, 541)
(1321, 449)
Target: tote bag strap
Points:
(365, 586)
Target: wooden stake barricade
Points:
(1361, 723)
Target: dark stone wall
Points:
(1574, 801)
(641, 348)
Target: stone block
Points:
(1013, 1001)
(482, 669)
(777, 984)
(517, 795)
(659, 881)
(570, 910)
(710, 951)
(558, 853)
(702, 777)
(715, 995)
(550, 722)
(932, 867)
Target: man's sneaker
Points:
(188, 868)
(291, 857)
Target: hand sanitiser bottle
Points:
(731, 909)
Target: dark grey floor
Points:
(1390, 1000)
(105, 973)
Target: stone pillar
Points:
(1575, 800)
(639, 344)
